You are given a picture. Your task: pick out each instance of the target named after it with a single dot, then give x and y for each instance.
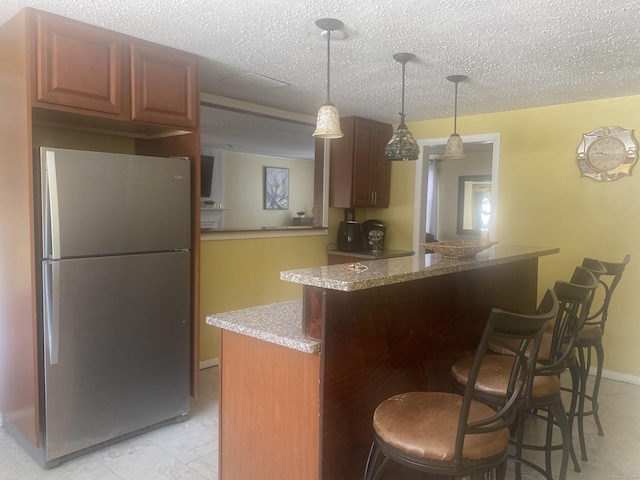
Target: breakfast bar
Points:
(299, 380)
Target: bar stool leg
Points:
(557, 410)
(576, 378)
(519, 443)
(596, 387)
(575, 387)
(549, 442)
(584, 374)
(585, 367)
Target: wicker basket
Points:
(458, 248)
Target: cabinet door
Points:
(78, 66)
(363, 193)
(164, 88)
(380, 166)
(372, 171)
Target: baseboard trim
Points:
(609, 374)
(212, 362)
(618, 376)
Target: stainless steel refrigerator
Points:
(114, 296)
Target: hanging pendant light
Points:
(454, 148)
(328, 122)
(402, 145)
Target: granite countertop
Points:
(402, 269)
(279, 323)
(371, 255)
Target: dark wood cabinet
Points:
(360, 174)
(163, 86)
(78, 66)
(88, 70)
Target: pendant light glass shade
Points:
(328, 122)
(402, 145)
(455, 148)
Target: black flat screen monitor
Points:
(206, 175)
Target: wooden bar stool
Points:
(554, 357)
(453, 435)
(590, 340)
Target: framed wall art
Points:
(276, 188)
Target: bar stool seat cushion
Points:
(425, 424)
(493, 376)
(543, 353)
(545, 346)
(590, 332)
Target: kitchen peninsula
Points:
(299, 380)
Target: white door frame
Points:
(420, 201)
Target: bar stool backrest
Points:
(503, 325)
(573, 302)
(608, 275)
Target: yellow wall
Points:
(67, 138)
(237, 274)
(542, 200)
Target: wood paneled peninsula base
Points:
(300, 379)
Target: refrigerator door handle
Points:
(52, 310)
(52, 213)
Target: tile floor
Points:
(189, 450)
(615, 456)
(181, 451)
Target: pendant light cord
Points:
(328, 65)
(455, 111)
(402, 113)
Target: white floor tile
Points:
(207, 466)
(187, 441)
(181, 451)
(141, 459)
(189, 450)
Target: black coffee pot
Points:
(350, 237)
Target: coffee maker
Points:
(350, 236)
(373, 232)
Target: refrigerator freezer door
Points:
(117, 359)
(103, 204)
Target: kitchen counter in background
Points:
(335, 256)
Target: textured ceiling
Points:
(516, 53)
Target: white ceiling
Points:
(516, 53)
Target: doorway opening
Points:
(437, 188)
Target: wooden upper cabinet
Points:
(78, 66)
(381, 179)
(163, 86)
(88, 70)
(360, 174)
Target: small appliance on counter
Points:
(373, 232)
(350, 237)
